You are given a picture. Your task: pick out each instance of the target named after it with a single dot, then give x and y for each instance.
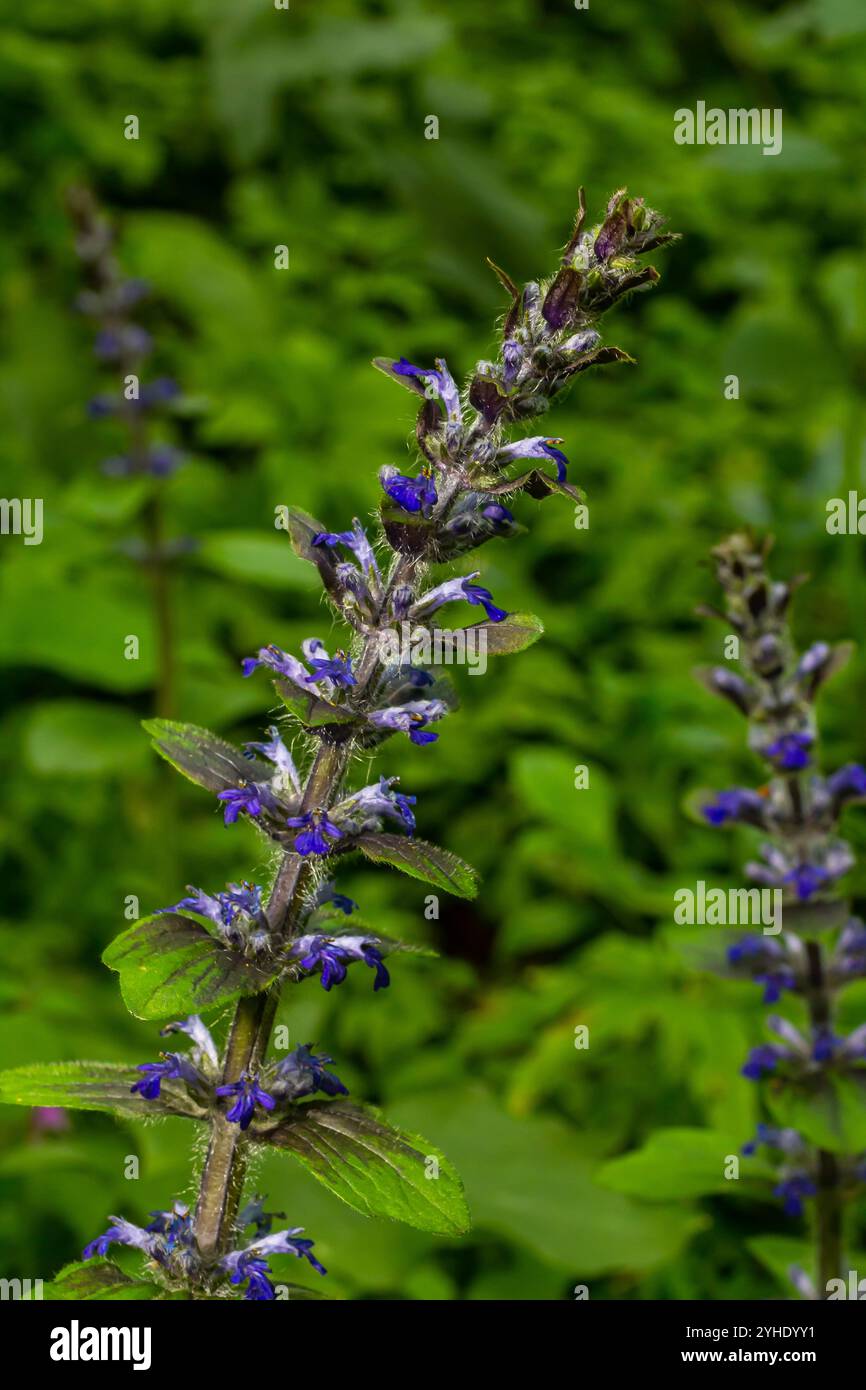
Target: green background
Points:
(306, 128)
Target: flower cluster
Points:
(273, 1090)
(822, 946)
(169, 1242)
(123, 346)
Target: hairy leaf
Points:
(170, 966)
(375, 1168)
(514, 634)
(203, 757)
(535, 482)
(409, 383)
(421, 860)
(302, 529)
(603, 357)
(560, 302)
(100, 1279)
(311, 709)
(89, 1086)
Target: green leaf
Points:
(302, 529)
(778, 1254)
(82, 738)
(99, 1279)
(260, 557)
(378, 1170)
(89, 1086)
(409, 383)
(170, 966)
(544, 779)
(311, 709)
(421, 860)
(679, 1163)
(814, 917)
(203, 757)
(514, 634)
(830, 1113)
(90, 618)
(545, 1198)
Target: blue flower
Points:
(814, 660)
(769, 964)
(244, 897)
(412, 494)
(277, 660)
(248, 1095)
(127, 340)
(123, 1232)
(476, 594)
(254, 1214)
(159, 460)
(337, 668)
(315, 839)
(538, 447)
(736, 804)
(326, 893)
(205, 904)
(247, 797)
(224, 909)
(824, 1046)
(256, 1271)
(174, 1226)
(157, 392)
(793, 1189)
(332, 954)
(250, 1265)
(381, 799)
(849, 781)
(354, 540)
(580, 343)
(787, 1141)
(302, 1073)
(172, 1068)
(439, 381)
(410, 719)
(454, 590)
(277, 753)
(287, 1243)
(790, 751)
(203, 1053)
(760, 1060)
(499, 515)
(806, 879)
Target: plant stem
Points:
(829, 1211)
(225, 1165)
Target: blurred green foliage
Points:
(306, 128)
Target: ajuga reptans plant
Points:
(137, 409)
(246, 944)
(812, 1077)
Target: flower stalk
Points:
(814, 1076)
(124, 346)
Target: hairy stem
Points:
(828, 1205)
(225, 1165)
